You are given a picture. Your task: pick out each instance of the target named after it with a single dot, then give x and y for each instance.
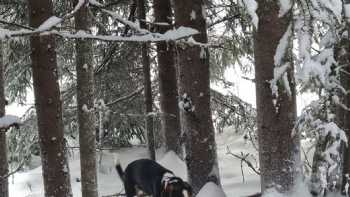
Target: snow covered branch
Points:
(171, 35)
(46, 26)
(251, 6)
(282, 66)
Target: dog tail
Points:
(119, 169)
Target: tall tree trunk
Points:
(85, 98)
(147, 82)
(3, 141)
(343, 114)
(193, 84)
(342, 54)
(48, 104)
(170, 121)
(278, 150)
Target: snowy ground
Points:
(30, 184)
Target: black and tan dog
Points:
(153, 179)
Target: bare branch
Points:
(19, 167)
(16, 25)
(243, 158)
(136, 92)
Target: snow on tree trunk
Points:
(170, 121)
(85, 98)
(276, 113)
(147, 83)
(194, 93)
(48, 104)
(3, 141)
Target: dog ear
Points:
(188, 188)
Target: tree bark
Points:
(278, 150)
(343, 114)
(147, 83)
(342, 55)
(170, 122)
(3, 141)
(193, 84)
(85, 99)
(48, 104)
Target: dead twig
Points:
(243, 157)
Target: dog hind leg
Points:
(130, 190)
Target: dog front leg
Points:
(157, 189)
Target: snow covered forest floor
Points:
(30, 183)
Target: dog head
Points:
(176, 187)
